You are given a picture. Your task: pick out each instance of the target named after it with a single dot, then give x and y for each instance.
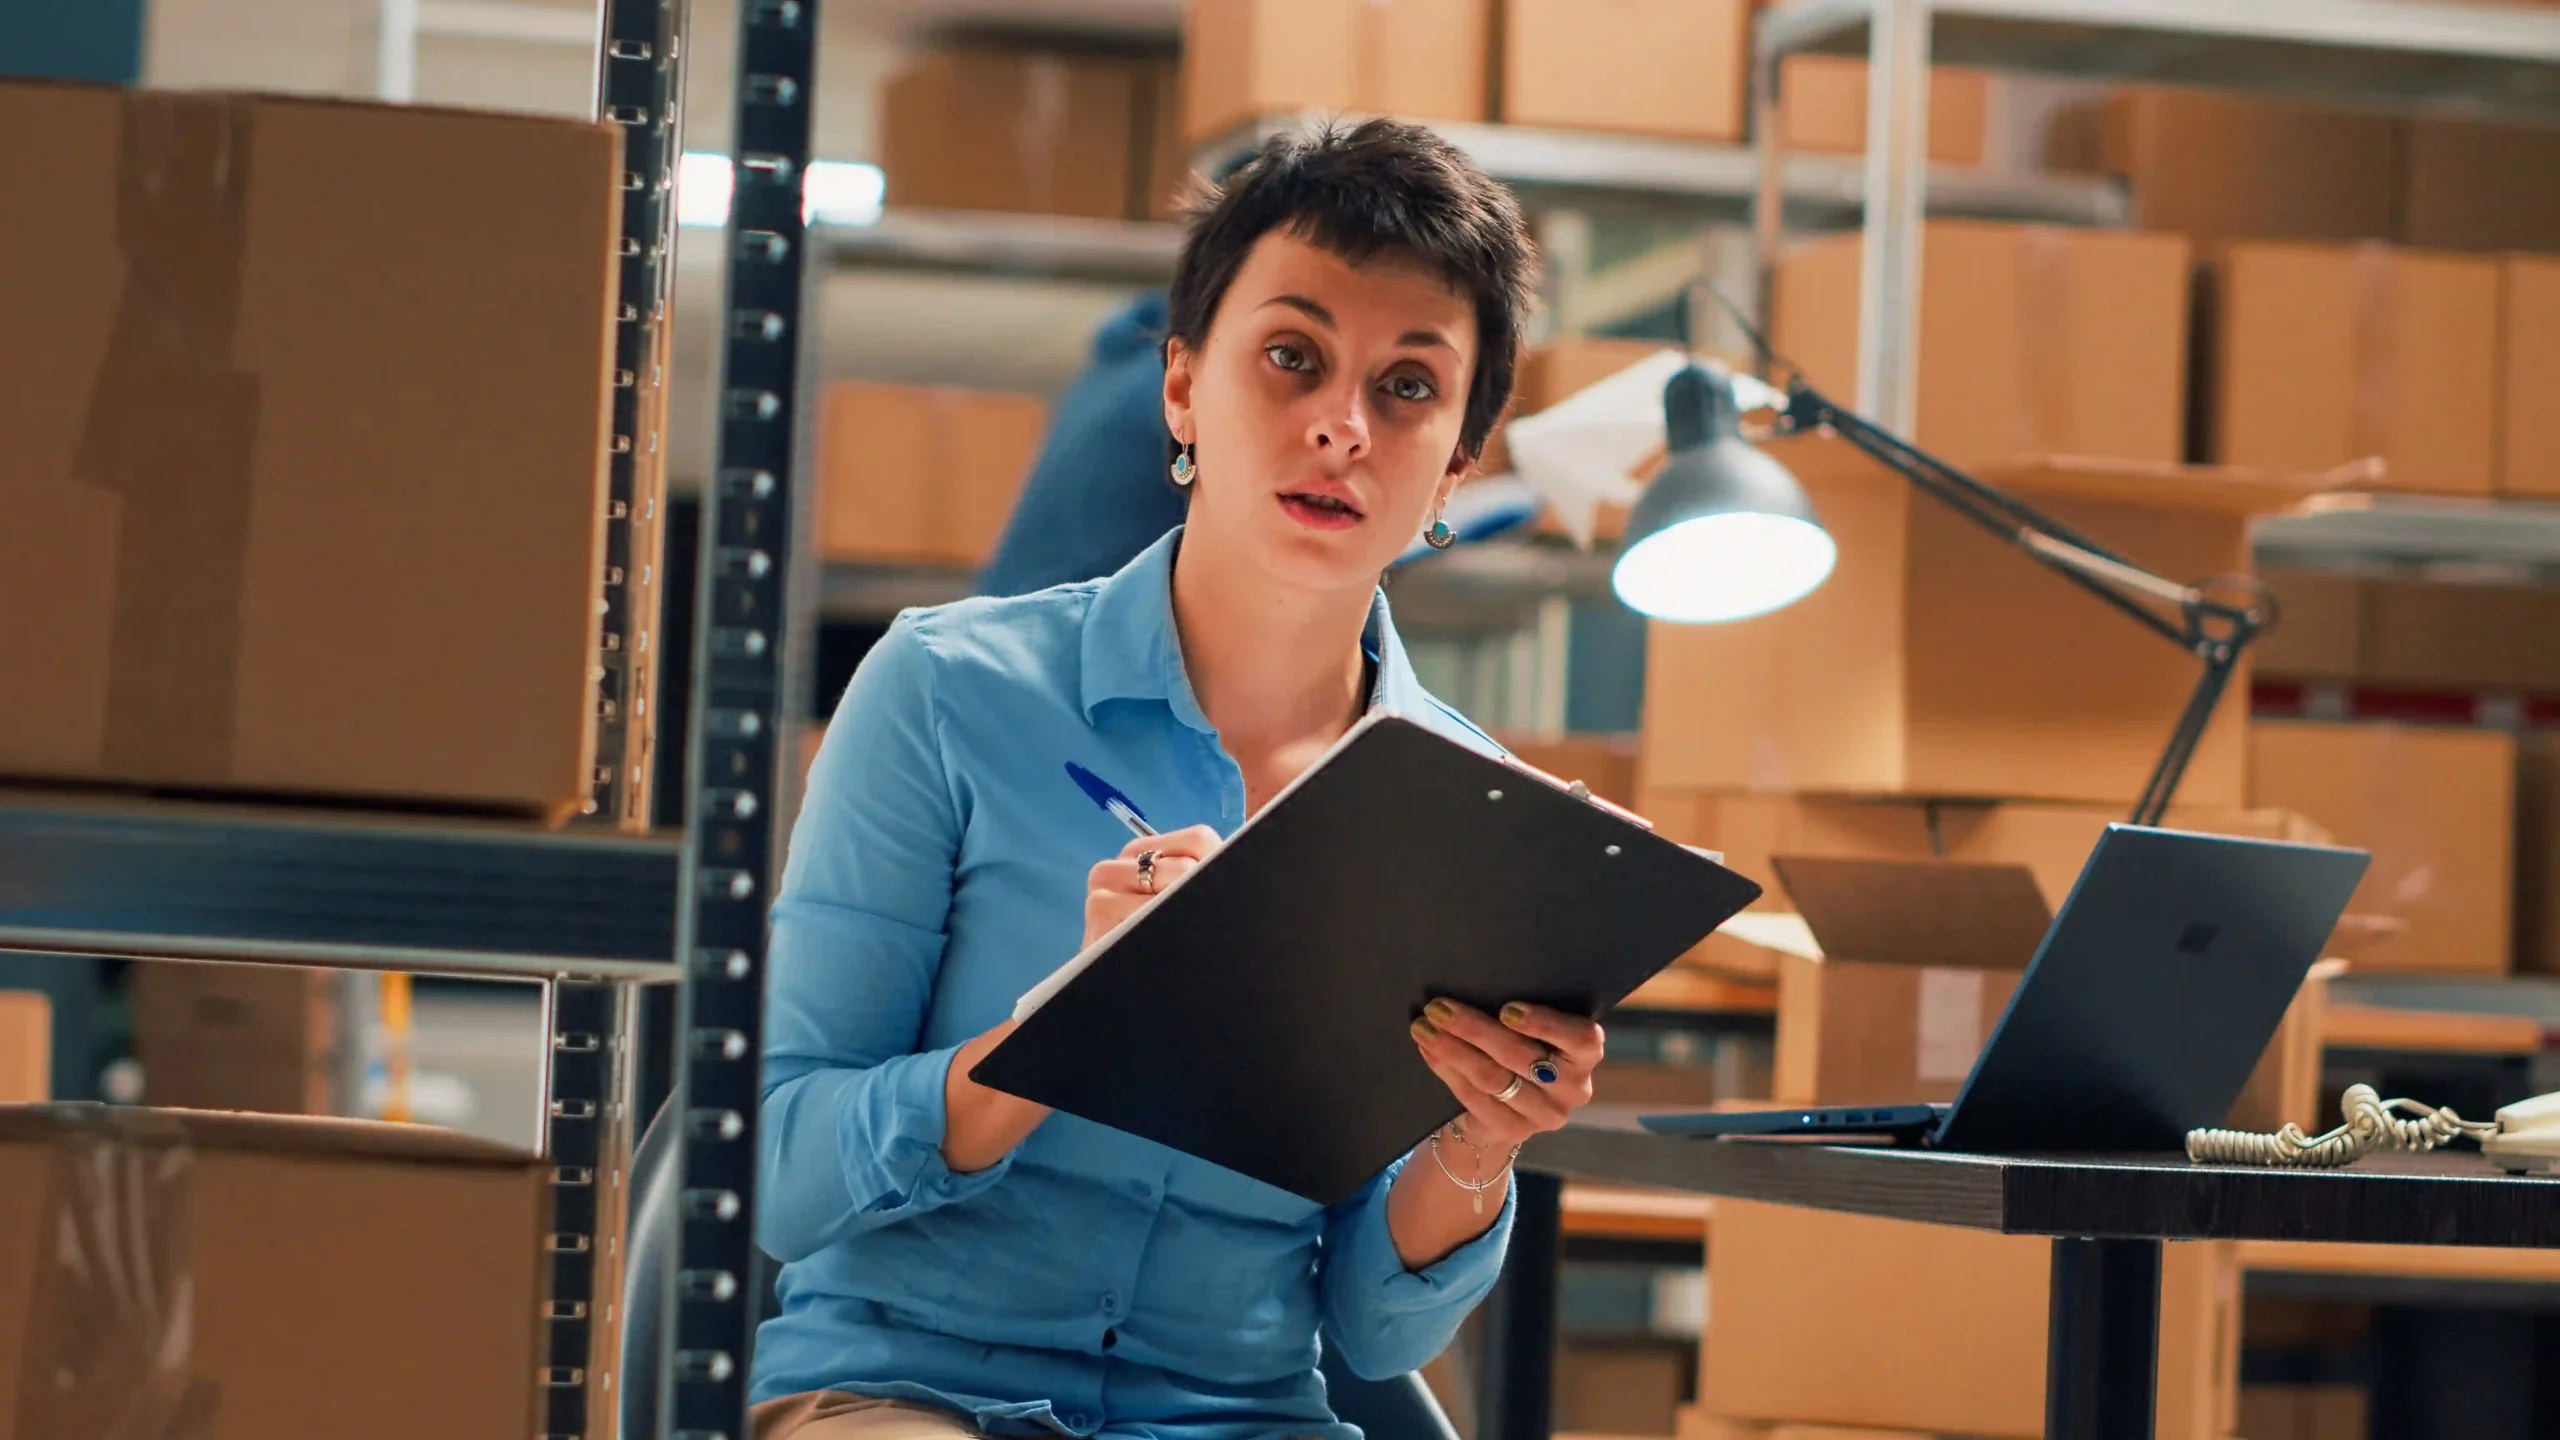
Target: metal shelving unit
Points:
(2400, 532)
(1046, 247)
(1723, 176)
(2411, 55)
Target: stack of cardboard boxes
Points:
(1944, 698)
(306, 412)
(347, 540)
(1674, 69)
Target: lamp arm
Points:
(2214, 632)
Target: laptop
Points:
(2140, 1015)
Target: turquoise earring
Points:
(1184, 472)
(1439, 536)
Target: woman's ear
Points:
(1178, 360)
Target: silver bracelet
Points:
(1474, 1188)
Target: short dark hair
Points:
(1378, 186)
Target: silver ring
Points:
(1543, 1070)
(1147, 871)
(1507, 1091)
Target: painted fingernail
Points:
(1439, 1011)
(1514, 1013)
(1425, 1030)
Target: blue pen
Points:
(1113, 803)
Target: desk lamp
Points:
(1724, 532)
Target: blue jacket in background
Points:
(1098, 495)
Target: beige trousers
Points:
(830, 1415)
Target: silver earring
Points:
(1439, 536)
(1184, 472)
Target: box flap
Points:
(236, 1130)
(1943, 913)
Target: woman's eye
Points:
(1286, 356)
(1411, 388)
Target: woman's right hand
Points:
(1114, 891)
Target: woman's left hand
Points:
(1492, 1065)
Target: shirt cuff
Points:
(891, 1139)
(1462, 1277)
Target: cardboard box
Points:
(984, 128)
(26, 1047)
(2471, 185)
(236, 1037)
(1938, 661)
(347, 539)
(1632, 1388)
(1042, 132)
(1895, 1012)
(1416, 59)
(1822, 101)
(2305, 1412)
(2316, 355)
(2529, 377)
(920, 474)
(289, 1277)
(2414, 634)
(2052, 841)
(2034, 340)
(2213, 166)
(2537, 903)
(1169, 181)
(2436, 808)
(1675, 68)
(1851, 1320)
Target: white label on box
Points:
(1950, 1023)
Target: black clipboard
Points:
(1256, 1014)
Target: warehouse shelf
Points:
(1494, 586)
(2473, 59)
(1538, 159)
(357, 890)
(910, 21)
(995, 243)
(2404, 531)
(2534, 997)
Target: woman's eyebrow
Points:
(1428, 338)
(1306, 307)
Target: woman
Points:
(1343, 328)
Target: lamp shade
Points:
(1724, 532)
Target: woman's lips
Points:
(1319, 512)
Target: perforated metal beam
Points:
(738, 732)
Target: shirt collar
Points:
(1131, 650)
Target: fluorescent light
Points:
(832, 192)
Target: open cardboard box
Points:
(1910, 964)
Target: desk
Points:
(2108, 1216)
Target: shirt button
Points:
(1144, 1190)
(1079, 1421)
(1110, 1302)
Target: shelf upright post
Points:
(1896, 191)
(737, 734)
(588, 1025)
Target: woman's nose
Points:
(1341, 428)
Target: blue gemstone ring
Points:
(1543, 1070)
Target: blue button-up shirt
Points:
(1091, 1282)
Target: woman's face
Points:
(1325, 407)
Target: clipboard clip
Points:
(1577, 790)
